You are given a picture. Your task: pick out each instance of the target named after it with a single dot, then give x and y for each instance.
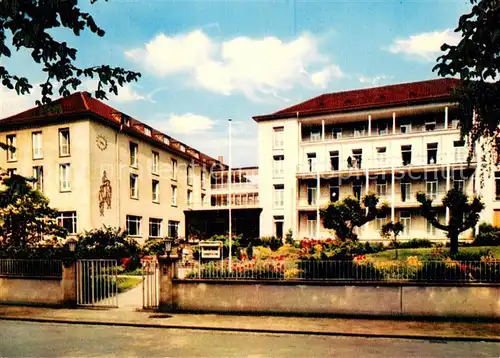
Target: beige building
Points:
(100, 167)
(392, 141)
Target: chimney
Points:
(220, 158)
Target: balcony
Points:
(223, 206)
(224, 187)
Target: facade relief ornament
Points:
(105, 194)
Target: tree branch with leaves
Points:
(464, 214)
(30, 24)
(391, 231)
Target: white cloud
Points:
(11, 103)
(425, 46)
(257, 68)
(375, 80)
(322, 78)
(185, 123)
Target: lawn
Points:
(126, 283)
(425, 253)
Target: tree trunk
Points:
(453, 243)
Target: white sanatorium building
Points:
(393, 141)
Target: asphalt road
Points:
(25, 339)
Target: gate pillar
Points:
(69, 284)
(168, 271)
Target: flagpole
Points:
(229, 200)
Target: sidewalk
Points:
(260, 324)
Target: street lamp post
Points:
(229, 200)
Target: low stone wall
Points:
(384, 299)
(33, 291)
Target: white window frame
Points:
(11, 140)
(202, 179)
(379, 222)
(173, 224)
(38, 176)
(381, 189)
(173, 200)
(147, 131)
(311, 228)
(278, 166)
(279, 196)
(64, 142)
(406, 221)
(152, 222)
(189, 198)
(430, 122)
(155, 164)
(460, 182)
(174, 169)
(459, 151)
(311, 162)
(155, 188)
(11, 171)
(408, 191)
(337, 133)
(314, 135)
(37, 144)
(134, 150)
(429, 228)
(137, 222)
(359, 131)
(406, 126)
(381, 156)
(278, 137)
(189, 175)
(64, 177)
(314, 194)
(68, 215)
(134, 186)
(382, 132)
(431, 189)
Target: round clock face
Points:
(101, 142)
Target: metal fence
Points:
(97, 283)
(31, 268)
(383, 271)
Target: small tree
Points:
(347, 215)
(464, 214)
(391, 231)
(27, 221)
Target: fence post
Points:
(168, 271)
(69, 284)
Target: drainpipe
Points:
(118, 173)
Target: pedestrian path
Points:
(264, 324)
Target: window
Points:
(460, 154)
(11, 151)
(147, 131)
(334, 190)
(134, 225)
(315, 134)
(311, 227)
(279, 196)
(156, 191)
(380, 221)
(173, 229)
(11, 171)
(155, 227)
(64, 177)
(278, 226)
(133, 154)
(405, 128)
(36, 139)
(459, 184)
(38, 177)
(497, 185)
(432, 149)
(166, 140)
(173, 201)
(357, 189)
(336, 133)
(405, 219)
(382, 156)
(381, 187)
(67, 219)
(311, 161)
(383, 129)
(431, 229)
(278, 137)
(202, 179)
(432, 189)
(405, 191)
(202, 200)
(334, 160)
(189, 198)
(189, 175)
(174, 169)
(156, 162)
(359, 131)
(64, 143)
(278, 167)
(134, 190)
(455, 123)
(355, 161)
(311, 194)
(430, 125)
(406, 154)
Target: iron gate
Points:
(97, 283)
(150, 284)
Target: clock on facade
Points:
(101, 142)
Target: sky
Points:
(203, 62)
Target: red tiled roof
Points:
(369, 98)
(81, 103)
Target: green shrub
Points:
(153, 247)
(289, 237)
(414, 244)
(271, 242)
(488, 236)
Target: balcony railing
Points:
(225, 186)
(383, 162)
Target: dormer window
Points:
(430, 125)
(182, 148)
(166, 140)
(147, 131)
